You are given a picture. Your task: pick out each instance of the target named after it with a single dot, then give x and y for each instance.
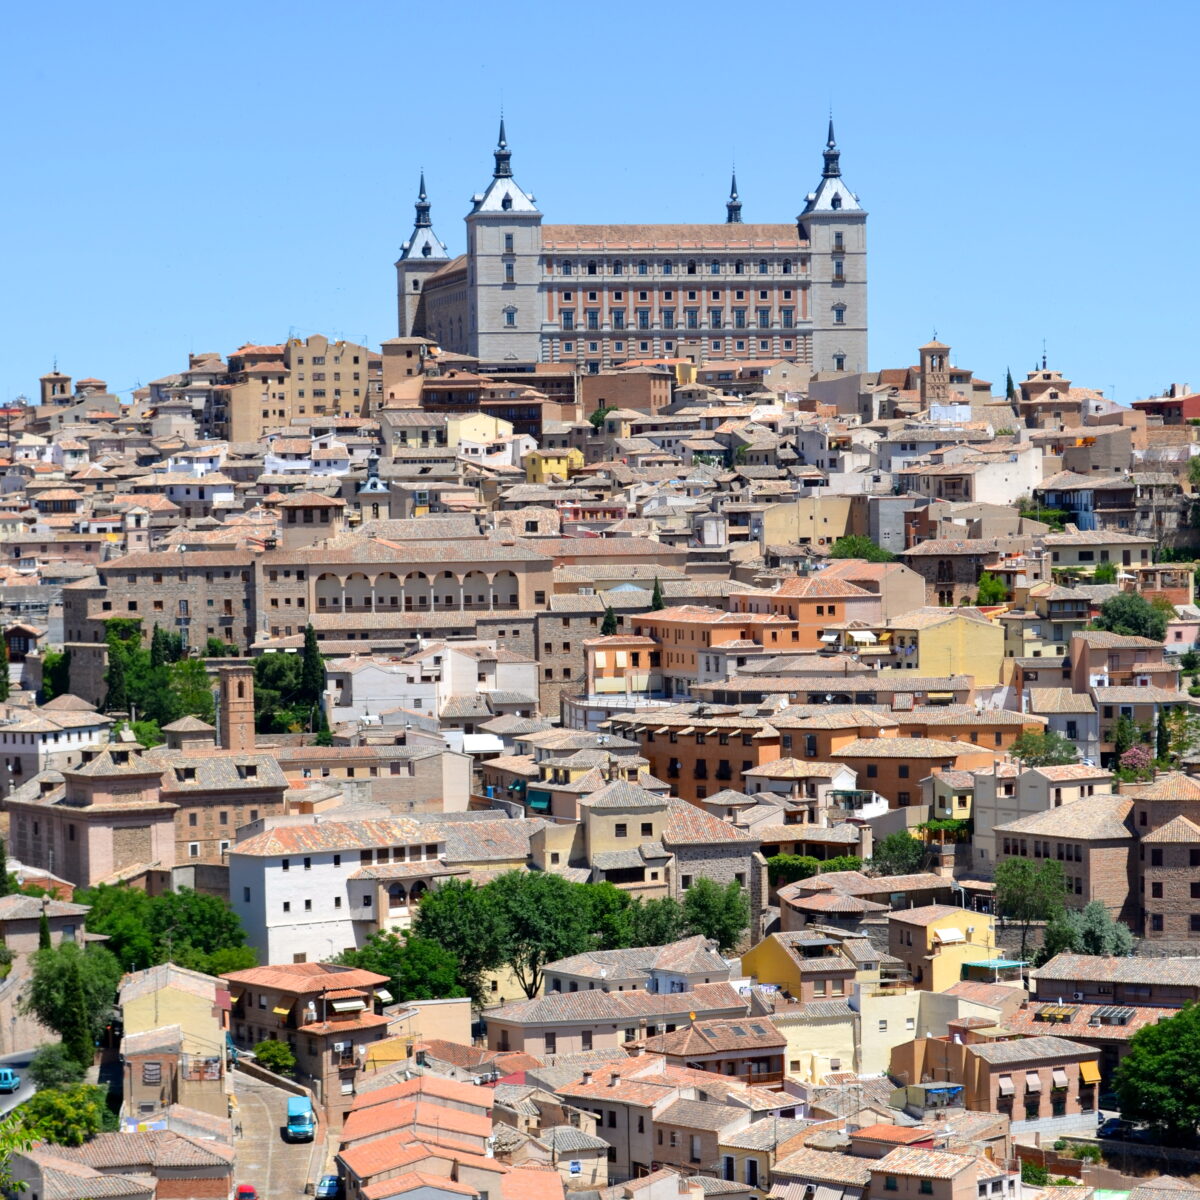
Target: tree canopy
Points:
(67, 1116)
(72, 992)
(991, 589)
(1133, 616)
(53, 1066)
(288, 690)
(191, 929)
(158, 682)
(1029, 891)
(417, 969)
(857, 545)
(716, 912)
(1044, 749)
(1157, 1080)
(1090, 931)
(898, 854)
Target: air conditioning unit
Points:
(1076, 995)
(341, 1047)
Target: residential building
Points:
(936, 942)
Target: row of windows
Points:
(692, 318)
(668, 294)
(691, 266)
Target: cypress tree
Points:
(4, 682)
(157, 649)
(312, 668)
(76, 1032)
(656, 600)
(1164, 739)
(44, 931)
(609, 626)
(117, 698)
(1010, 389)
(6, 881)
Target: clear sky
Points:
(183, 177)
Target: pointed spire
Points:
(422, 206)
(733, 206)
(503, 155)
(832, 154)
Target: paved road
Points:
(19, 1061)
(278, 1169)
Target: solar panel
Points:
(738, 1031)
(759, 1030)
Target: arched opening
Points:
(504, 590)
(387, 591)
(397, 897)
(475, 590)
(446, 592)
(358, 592)
(418, 890)
(418, 591)
(691, 266)
(328, 591)
(787, 266)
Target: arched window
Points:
(616, 268)
(643, 267)
(739, 267)
(566, 267)
(839, 314)
(787, 266)
(762, 266)
(241, 690)
(691, 267)
(666, 268)
(375, 512)
(716, 267)
(591, 267)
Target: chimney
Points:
(587, 1077)
(236, 705)
(614, 1079)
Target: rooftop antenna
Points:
(1043, 354)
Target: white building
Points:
(50, 738)
(306, 892)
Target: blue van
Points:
(301, 1123)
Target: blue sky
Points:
(189, 177)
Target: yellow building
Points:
(543, 465)
(812, 520)
(476, 427)
(939, 642)
(936, 941)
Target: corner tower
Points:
(835, 225)
(420, 257)
(504, 269)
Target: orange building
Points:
(895, 766)
(812, 602)
(691, 638)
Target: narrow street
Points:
(275, 1167)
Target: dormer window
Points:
(506, 203)
(836, 202)
(186, 774)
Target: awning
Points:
(1089, 1072)
(950, 935)
(384, 995)
(829, 637)
(886, 636)
(234, 997)
(1006, 1085)
(941, 696)
(1033, 1081)
(282, 1010)
(1060, 1077)
(862, 635)
(347, 1005)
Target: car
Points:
(329, 1187)
(245, 1191)
(1114, 1127)
(10, 1081)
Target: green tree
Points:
(597, 417)
(1010, 389)
(713, 911)
(1189, 661)
(1124, 735)
(15, 1138)
(416, 969)
(312, 669)
(540, 922)
(459, 917)
(66, 1116)
(1194, 472)
(147, 733)
(991, 589)
(217, 647)
(5, 683)
(898, 854)
(657, 603)
(44, 942)
(279, 705)
(56, 674)
(1044, 749)
(8, 881)
(1027, 892)
(227, 958)
(654, 922)
(123, 914)
(52, 1066)
(276, 1056)
(857, 545)
(1157, 1080)
(1090, 931)
(188, 918)
(1132, 616)
(157, 654)
(54, 973)
(607, 913)
(1034, 1174)
(1181, 730)
(77, 1030)
(116, 698)
(190, 682)
(608, 626)
(841, 862)
(1105, 572)
(788, 868)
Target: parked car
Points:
(1114, 1127)
(245, 1191)
(9, 1080)
(329, 1187)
